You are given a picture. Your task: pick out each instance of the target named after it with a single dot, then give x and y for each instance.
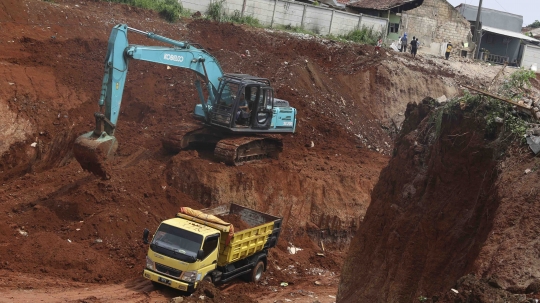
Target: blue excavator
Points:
(240, 116)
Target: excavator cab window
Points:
(247, 102)
(222, 111)
(228, 94)
(264, 109)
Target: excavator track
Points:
(239, 150)
(180, 137)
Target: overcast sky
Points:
(529, 9)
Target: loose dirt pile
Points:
(236, 221)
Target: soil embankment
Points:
(448, 211)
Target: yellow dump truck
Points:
(194, 246)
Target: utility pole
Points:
(478, 31)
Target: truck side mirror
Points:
(145, 236)
(200, 254)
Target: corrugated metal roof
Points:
(508, 33)
(379, 4)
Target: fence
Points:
(289, 13)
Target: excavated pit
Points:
(61, 227)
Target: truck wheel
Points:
(208, 278)
(257, 272)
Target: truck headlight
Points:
(149, 263)
(189, 276)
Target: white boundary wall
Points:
(296, 14)
(531, 56)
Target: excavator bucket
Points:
(94, 152)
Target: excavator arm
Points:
(92, 149)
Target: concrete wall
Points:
(492, 17)
(288, 13)
(435, 22)
(531, 55)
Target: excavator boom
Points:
(93, 149)
(237, 137)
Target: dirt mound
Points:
(430, 214)
(236, 221)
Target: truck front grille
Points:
(169, 271)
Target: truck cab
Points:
(190, 248)
(181, 253)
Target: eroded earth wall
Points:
(430, 214)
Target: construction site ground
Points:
(68, 236)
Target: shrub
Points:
(170, 10)
(216, 11)
(365, 35)
(236, 17)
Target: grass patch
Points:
(364, 35)
(249, 20)
(499, 116)
(216, 11)
(170, 10)
(295, 29)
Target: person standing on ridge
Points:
(404, 43)
(414, 46)
(379, 44)
(448, 50)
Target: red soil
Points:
(61, 227)
(236, 221)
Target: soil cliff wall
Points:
(431, 211)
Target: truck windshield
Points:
(177, 243)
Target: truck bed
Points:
(263, 232)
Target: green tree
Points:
(535, 24)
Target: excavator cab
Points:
(244, 103)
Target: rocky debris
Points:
(532, 135)
(442, 99)
(473, 288)
(177, 300)
(207, 292)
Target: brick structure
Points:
(436, 22)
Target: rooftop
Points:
(486, 9)
(382, 4)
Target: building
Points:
(390, 9)
(501, 37)
(433, 22)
